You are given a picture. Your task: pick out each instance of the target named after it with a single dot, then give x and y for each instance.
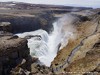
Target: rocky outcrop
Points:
(15, 58)
(12, 51)
(41, 70)
(88, 34)
(9, 44)
(36, 69)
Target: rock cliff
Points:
(15, 58)
(12, 50)
(28, 23)
(80, 55)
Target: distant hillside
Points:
(27, 6)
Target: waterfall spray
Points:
(47, 47)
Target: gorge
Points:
(49, 40)
(47, 45)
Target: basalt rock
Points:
(12, 51)
(27, 23)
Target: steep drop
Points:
(45, 46)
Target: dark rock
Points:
(5, 27)
(24, 24)
(46, 20)
(98, 13)
(12, 51)
(1, 68)
(84, 18)
(30, 36)
(13, 37)
(97, 69)
(34, 59)
(8, 46)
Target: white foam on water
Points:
(47, 47)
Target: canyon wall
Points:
(80, 49)
(27, 23)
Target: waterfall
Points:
(37, 45)
(45, 46)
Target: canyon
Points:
(49, 39)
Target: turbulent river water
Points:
(45, 46)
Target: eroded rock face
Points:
(88, 34)
(75, 57)
(46, 21)
(29, 23)
(9, 44)
(15, 58)
(90, 63)
(12, 51)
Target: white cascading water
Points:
(47, 46)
